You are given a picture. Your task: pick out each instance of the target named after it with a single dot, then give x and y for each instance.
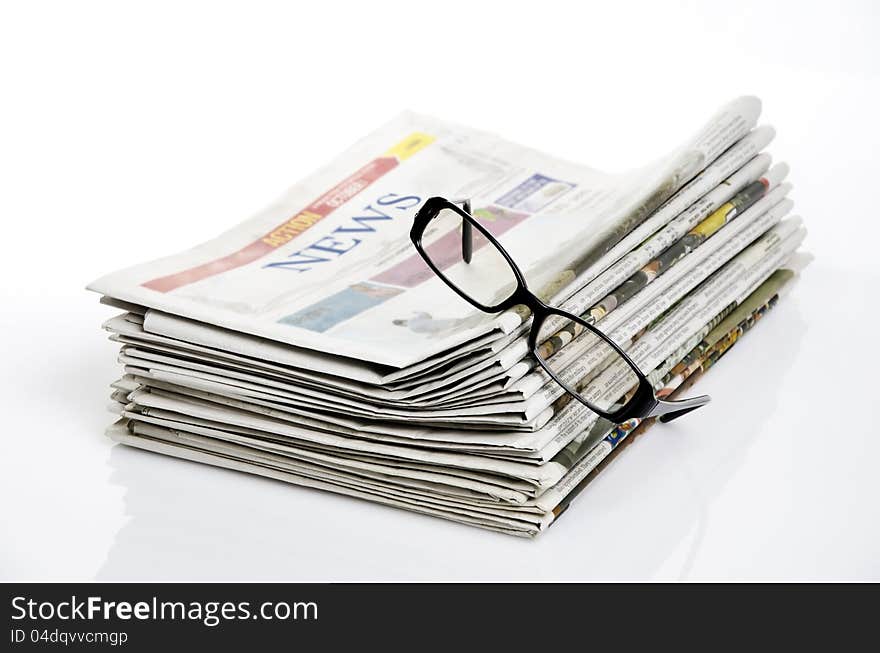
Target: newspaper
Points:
(312, 345)
(340, 276)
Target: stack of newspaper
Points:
(313, 345)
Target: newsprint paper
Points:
(311, 344)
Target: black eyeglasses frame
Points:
(643, 402)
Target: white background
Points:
(129, 130)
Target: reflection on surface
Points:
(640, 518)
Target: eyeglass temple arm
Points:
(467, 232)
(667, 411)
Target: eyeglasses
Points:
(588, 365)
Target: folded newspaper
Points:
(312, 344)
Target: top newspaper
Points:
(329, 268)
